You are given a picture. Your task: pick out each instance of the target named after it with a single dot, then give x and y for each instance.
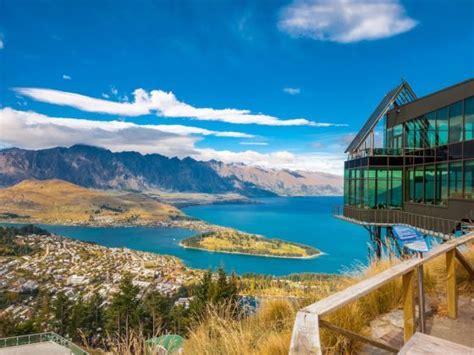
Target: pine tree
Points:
(157, 307)
(61, 312)
(124, 311)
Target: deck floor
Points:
(388, 328)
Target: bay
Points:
(306, 220)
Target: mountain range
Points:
(99, 168)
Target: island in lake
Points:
(233, 241)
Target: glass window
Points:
(441, 184)
(429, 184)
(455, 122)
(442, 126)
(346, 186)
(455, 180)
(469, 179)
(381, 188)
(469, 118)
(411, 184)
(395, 188)
(410, 135)
(419, 184)
(431, 122)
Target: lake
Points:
(306, 220)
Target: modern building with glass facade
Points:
(421, 172)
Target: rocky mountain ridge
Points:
(100, 168)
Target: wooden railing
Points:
(306, 336)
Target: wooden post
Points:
(408, 305)
(305, 338)
(451, 295)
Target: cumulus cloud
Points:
(345, 21)
(292, 91)
(32, 130)
(66, 77)
(164, 104)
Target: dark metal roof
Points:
(398, 96)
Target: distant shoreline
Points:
(250, 254)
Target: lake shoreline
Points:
(250, 254)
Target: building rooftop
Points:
(44, 348)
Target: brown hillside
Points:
(57, 201)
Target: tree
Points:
(202, 295)
(157, 307)
(61, 312)
(78, 320)
(124, 311)
(222, 292)
(7, 325)
(179, 320)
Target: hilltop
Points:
(59, 202)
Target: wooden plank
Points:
(354, 292)
(427, 344)
(305, 338)
(451, 292)
(409, 322)
(464, 263)
(358, 337)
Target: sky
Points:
(278, 84)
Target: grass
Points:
(269, 330)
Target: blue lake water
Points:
(305, 220)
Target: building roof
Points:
(400, 95)
(172, 343)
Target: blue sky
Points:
(271, 83)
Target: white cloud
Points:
(292, 91)
(164, 104)
(1, 43)
(66, 77)
(32, 130)
(345, 21)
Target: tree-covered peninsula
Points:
(233, 241)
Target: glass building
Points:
(413, 162)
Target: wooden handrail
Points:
(305, 338)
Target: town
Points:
(81, 269)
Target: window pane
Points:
(346, 186)
(455, 122)
(419, 184)
(431, 121)
(455, 180)
(381, 188)
(441, 184)
(429, 184)
(469, 118)
(395, 188)
(469, 179)
(411, 185)
(442, 126)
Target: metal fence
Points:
(430, 225)
(40, 338)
